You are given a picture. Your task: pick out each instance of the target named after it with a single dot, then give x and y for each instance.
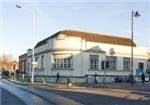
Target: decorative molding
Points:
(62, 69)
(61, 37)
(112, 51)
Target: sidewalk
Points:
(128, 86)
(51, 85)
(138, 86)
(123, 90)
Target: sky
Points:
(112, 17)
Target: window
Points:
(31, 64)
(148, 64)
(25, 65)
(126, 63)
(141, 66)
(93, 62)
(42, 62)
(36, 59)
(28, 66)
(62, 61)
(112, 62)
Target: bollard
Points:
(69, 83)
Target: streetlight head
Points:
(136, 14)
(18, 6)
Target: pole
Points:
(33, 28)
(33, 60)
(132, 48)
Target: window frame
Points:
(112, 62)
(94, 62)
(62, 63)
(42, 62)
(126, 63)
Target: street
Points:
(9, 99)
(13, 94)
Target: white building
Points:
(148, 63)
(76, 54)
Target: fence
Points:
(75, 79)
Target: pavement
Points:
(136, 86)
(33, 96)
(90, 94)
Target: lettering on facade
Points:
(112, 51)
(61, 37)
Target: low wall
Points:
(75, 79)
(62, 79)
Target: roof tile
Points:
(93, 37)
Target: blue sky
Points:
(107, 16)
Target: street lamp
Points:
(33, 32)
(134, 14)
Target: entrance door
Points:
(141, 67)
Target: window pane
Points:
(42, 61)
(126, 63)
(62, 62)
(93, 62)
(112, 62)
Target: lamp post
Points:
(33, 33)
(133, 14)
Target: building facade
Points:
(23, 63)
(75, 53)
(148, 63)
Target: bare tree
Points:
(6, 58)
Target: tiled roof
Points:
(93, 37)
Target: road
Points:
(9, 99)
(29, 95)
